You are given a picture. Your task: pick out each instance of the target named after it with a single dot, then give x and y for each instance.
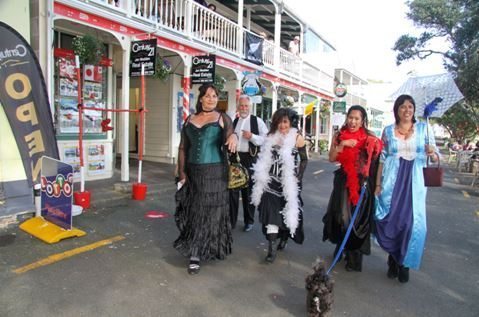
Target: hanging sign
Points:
(24, 98)
(203, 69)
(340, 90)
(339, 106)
(143, 53)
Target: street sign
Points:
(339, 106)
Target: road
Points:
(140, 274)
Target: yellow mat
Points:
(47, 231)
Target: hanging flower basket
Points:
(219, 82)
(88, 48)
(163, 68)
(324, 109)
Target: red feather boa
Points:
(353, 163)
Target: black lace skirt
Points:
(202, 213)
(339, 213)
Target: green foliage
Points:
(163, 68)
(456, 22)
(219, 82)
(458, 123)
(323, 146)
(88, 48)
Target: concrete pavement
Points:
(142, 275)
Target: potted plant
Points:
(163, 68)
(88, 48)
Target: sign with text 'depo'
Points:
(203, 69)
(143, 53)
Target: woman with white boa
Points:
(277, 178)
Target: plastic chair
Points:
(452, 155)
(464, 160)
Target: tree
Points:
(457, 122)
(457, 23)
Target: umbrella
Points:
(433, 95)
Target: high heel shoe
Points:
(393, 267)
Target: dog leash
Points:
(348, 232)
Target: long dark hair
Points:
(364, 116)
(399, 101)
(203, 89)
(278, 116)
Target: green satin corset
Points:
(205, 143)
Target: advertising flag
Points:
(24, 98)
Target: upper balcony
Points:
(225, 31)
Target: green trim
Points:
(69, 137)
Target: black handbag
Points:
(238, 176)
(433, 175)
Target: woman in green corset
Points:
(202, 212)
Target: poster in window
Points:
(92, 73)
(68, 87)
(68, 115)
(67, 68)
(96, 159)
(92, 90)
(71, 155)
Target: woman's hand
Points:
(377, 190)
(231, 142)
(349, 143)
(430, 151)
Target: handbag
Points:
(433, 175)
(238, 176)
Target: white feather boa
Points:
(289, 181)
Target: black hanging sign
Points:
(143, 52)
(203, 69)
(24, 98)
(253, 48)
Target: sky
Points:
(364, 32)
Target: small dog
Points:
(319, 300)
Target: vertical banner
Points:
(24, 97)
(253, 48)
(143, 52)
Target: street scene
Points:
(239, 158)
(139, 273)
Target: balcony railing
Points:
(198, 23)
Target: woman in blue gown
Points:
(400, 211)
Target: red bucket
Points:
(82, 199)
(139, 191)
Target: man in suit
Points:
(251, 131)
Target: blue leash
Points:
(348, 232)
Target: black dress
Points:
(273, 200)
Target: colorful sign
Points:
(339, 106)
(24, 97)
(340, 90)
(57, 192)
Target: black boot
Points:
(354, 260)
(403, 274)
(282, 244)
(271, 247)
(393, 269)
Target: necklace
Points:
(402, 132)
(208, 111)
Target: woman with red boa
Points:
(357, 150)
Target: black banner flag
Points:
(24, 98)
(253, 48)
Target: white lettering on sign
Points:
(18, 51)
(199, 60)
(143, 47)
